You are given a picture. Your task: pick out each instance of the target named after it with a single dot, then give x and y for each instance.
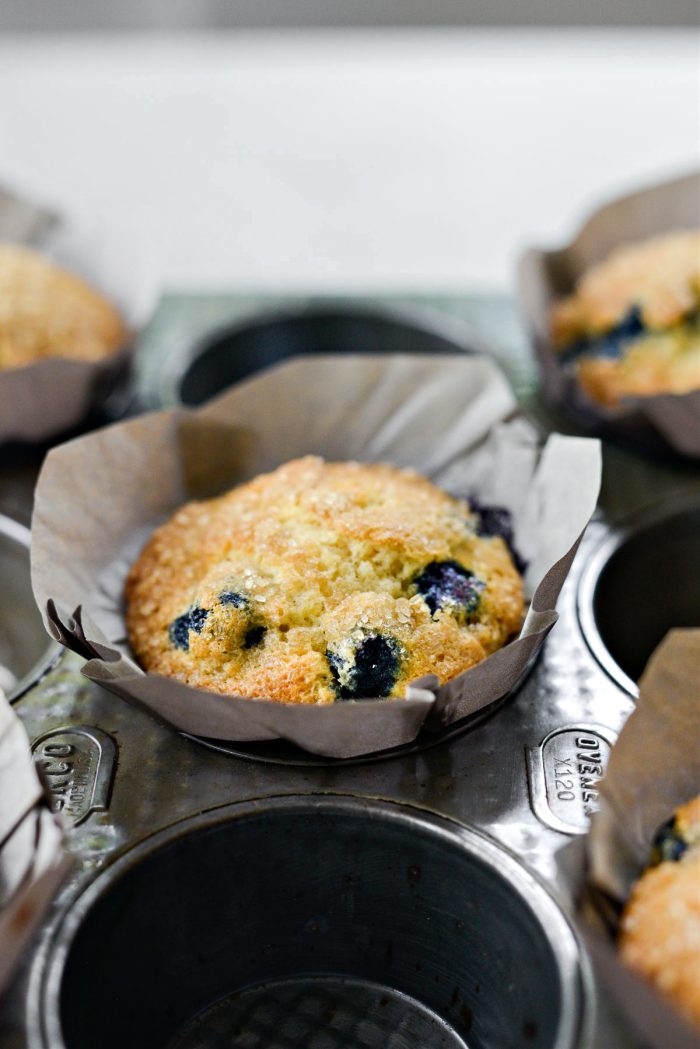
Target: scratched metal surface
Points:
(479, 777)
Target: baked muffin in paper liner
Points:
(546, 277)
(319, 583)
(450, 418)
(52, 395)
(653, 769)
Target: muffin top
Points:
(658, 362)
(47, 312)
(632, 326)
(322, 582)
(660, 927)
(657, 281)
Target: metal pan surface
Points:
(315, 923)
(124, 778)
(233, 350)
(26, 653)
(641, 582)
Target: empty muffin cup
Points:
(313, 922)
(643, 581)
(234, 352)
(25, 650)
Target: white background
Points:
(343, 160)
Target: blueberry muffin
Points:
(322, 582)
(660, 928)
(48, 312)
(632, 326)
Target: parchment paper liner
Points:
(32, 860)
(653, 768)
(98, 498)
(544, 276)
(22, 221)
(54, 395)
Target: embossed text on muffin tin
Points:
(563, 775)
(77, 765)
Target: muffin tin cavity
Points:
(642, 582)
(25, 650)
(235, 352)
(314, 922)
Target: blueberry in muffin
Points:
(632, 326)
(320, 583)
(448, 585)
(660, 926)
(179, 629)
(368, 667)
(496, 520)
(673, 838)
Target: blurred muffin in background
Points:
(632, 326)
(46, 311)
(660, 927)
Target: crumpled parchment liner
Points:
(99, 497)
(653, 768)
(32, 860)
(544, 276)
(53, 395)
(23, 222)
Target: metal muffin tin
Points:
(212, 876)
(25, 650)
(642, 581)
(237, 350)
(404, 928)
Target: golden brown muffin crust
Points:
(660, 276)
(661, 362)
(47, 312)
(303, 586)
(660, 927)
(632, 326)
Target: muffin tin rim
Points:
(627, 528)
(423, 318)
(16, 532)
